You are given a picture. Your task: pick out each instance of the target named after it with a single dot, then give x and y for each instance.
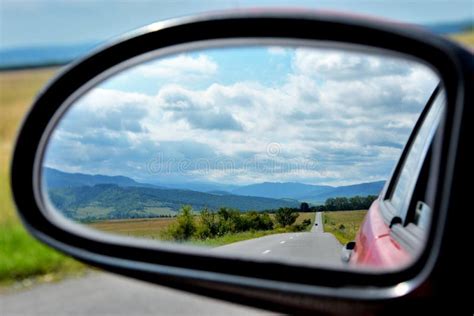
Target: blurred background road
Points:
(107, 294)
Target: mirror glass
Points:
(275, 153)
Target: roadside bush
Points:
(304, 207)
(306, 222)
(208, 226)
(225, 221)
(185, 226)
(229, 221)
(285, 216)
(233, 221)
(297, 228)
(256, 221)
(227, 214)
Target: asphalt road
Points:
(103, 294)
(107, 294)
(311, 248)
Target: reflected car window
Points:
(406, 182)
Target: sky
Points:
(56, 22)
(243, 115)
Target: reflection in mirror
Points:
(267, 152)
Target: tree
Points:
(185, 227)
(320, 208)
(209, 225)
(306, 222)
(304, 207)
(347, 204)
(285, 216)
(256, 221)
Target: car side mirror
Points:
(347, 251)
(76, 118)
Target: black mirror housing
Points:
(281, 287)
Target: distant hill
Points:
(59, 179)
(29, 57)
(219, 192)
(450, 27)
(361, 189)
(281, 190)
(85, 196)
(197, 186)
(110, 201)
(307, 192)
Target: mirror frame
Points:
(277, 286)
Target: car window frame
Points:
(389, 212)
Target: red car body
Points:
(374, 245)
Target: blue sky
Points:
(234, 65)
(53, 22)
(247, 115)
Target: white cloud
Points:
(277, 50)
(181, 67)
(337, 119)
(107, 110)
(338, 65)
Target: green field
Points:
(344, 225)
(84, 213)
(303, 216)
(153, 228)
(144, 228)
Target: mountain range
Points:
(110, 201)
(40, 56)
(59, 179)
(85, 196)
(274, 190)
(316, 194)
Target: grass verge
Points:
(236, 237)
(151, 228)
(21, 256)
(344, 225)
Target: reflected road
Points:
(314, 247)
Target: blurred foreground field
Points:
(466, 38)
(21, 256)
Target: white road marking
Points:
(291, 237)
(265, 252)
(282, 242)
